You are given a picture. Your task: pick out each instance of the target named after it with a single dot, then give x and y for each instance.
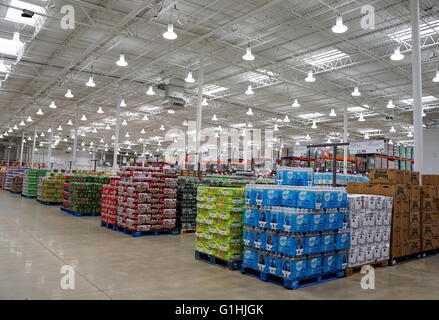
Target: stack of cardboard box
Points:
(403, 187)
(429, 212)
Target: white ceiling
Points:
(282, 34)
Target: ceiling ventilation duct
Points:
(174, 94)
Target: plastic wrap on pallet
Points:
(147, 198)
(370, 226)
(295, 232)
(219, 222)
(51, 188)
(306, 177)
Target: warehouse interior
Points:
(137, 134)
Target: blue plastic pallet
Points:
(14, 192)
(108, 225)
(293, 284)
(28, 197)
(80, 214)
(148, 232)
(49, 203)
(231, 265)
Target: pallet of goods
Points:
(187, 203)
(16, 183)
(295, 236)
(109, 203)
(51, 189)
(30, 182)
(82, 194)
(370, 230)
(429, 215)
(2, 178)
(10, 174)
(147, 200)
(403, 187)
(219, 225)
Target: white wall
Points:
(61, 159)
(431, 151)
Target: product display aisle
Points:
(295, 233)
(51, 189)
(30, 182)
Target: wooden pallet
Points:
(183, 231)
(351, 270)
(295, 283)
(410, 257)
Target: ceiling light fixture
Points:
(127, 135)
(249, 112)
(22, 123)
(170, 34)
(162, 127)
(42, 134)
(390, 104)
(356, 92)
(84, 118)
(249, 90)
(296, 103)
(286, 119)
(100, 110)
(53, 105)
(361, 118)
(94, 131)
(214, 118)
(124, 123)
(15, 127)
(204, 103)
(69, 94)
(123, 103)
(171, 111)
(314, 124)
(189, 78)
(150, 91)
(29, 119)
(332, 113)
(90, 82)
(107, 127)
(409, 134)
(59, 128)
(397, 55)
(145, 117)
(49, 130)
(436, 77)
(310, 77)
(248, 56)
(142, 131)
(339, 26)
(308, 137)
(40, 112)
(392, 129)
(366, 137)
(122, 62)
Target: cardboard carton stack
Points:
(429, 212)
(403, 187)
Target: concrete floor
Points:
(37, 240)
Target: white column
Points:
(49, 148)
(33, 147)
(116, 134)
(345, 139)
(199, 110)
(417, 87)
(22, 147)
(75, 141)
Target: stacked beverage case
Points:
(83, 193)
(219, 222)
(109, 201)
(295, 232)
(370, 228)
(147, 198)
(51, 189)
(187, 202)
(30, 182)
